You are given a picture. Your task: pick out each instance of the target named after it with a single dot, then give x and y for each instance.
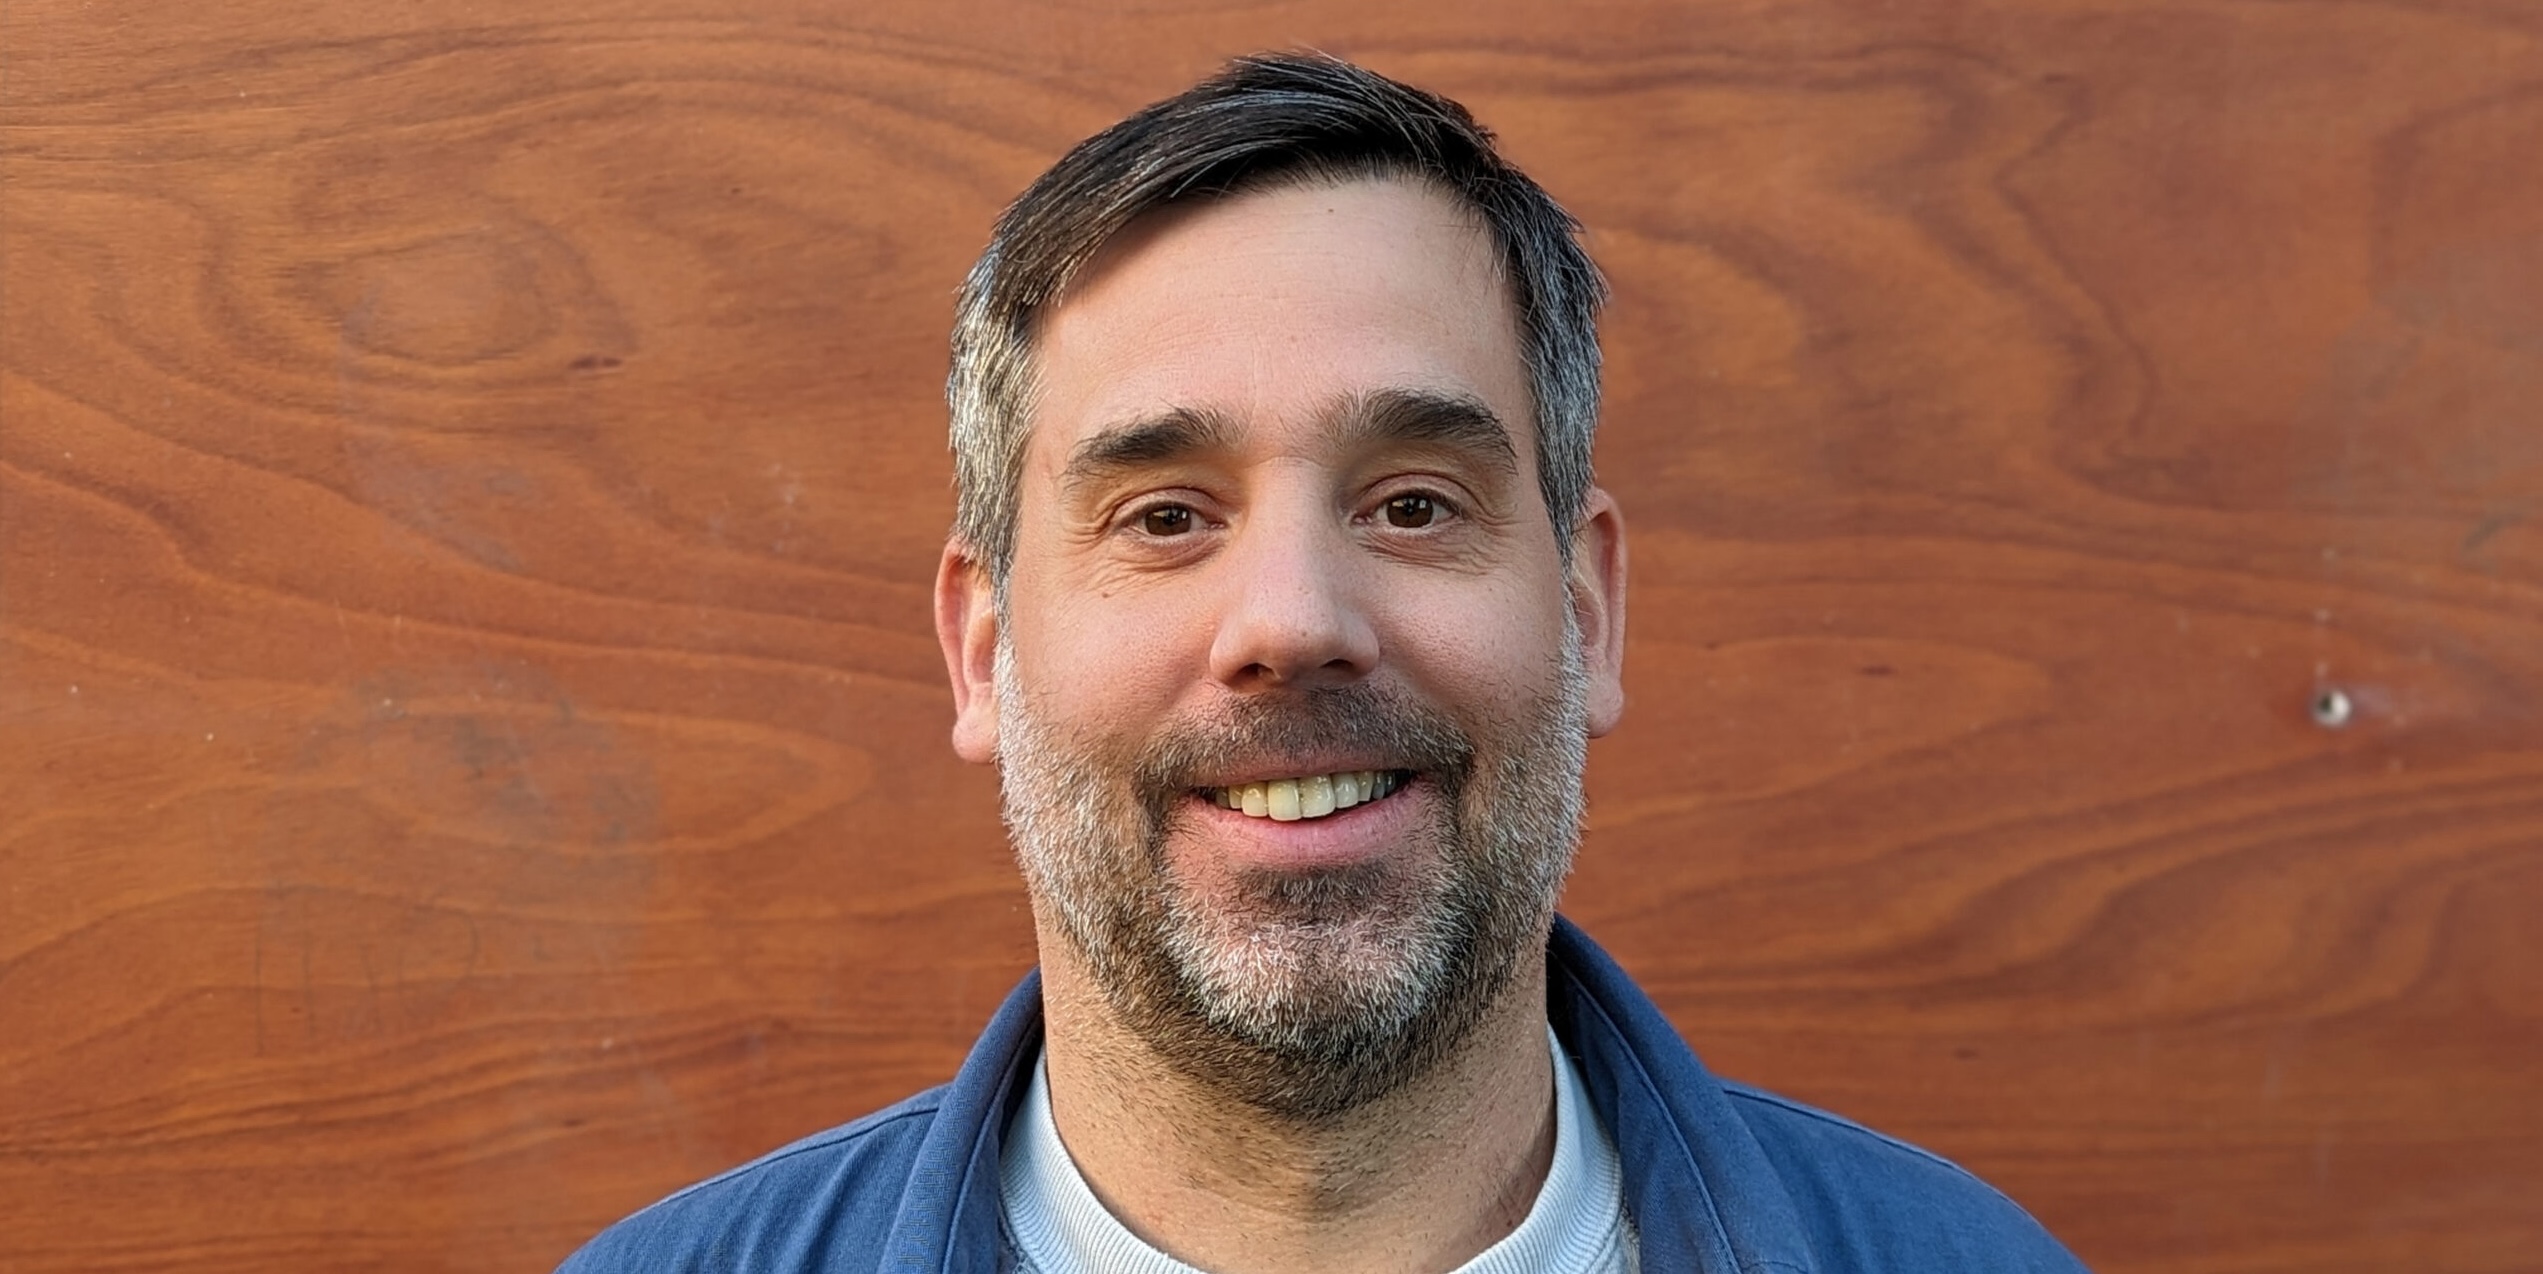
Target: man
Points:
(1282, 597)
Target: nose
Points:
(1293, 615)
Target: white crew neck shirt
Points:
(1576, 1226)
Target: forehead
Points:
(1265, 308)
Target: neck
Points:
(1424, 1178)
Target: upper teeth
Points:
(1311, 797)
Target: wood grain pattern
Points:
(473, 750)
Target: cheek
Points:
(1495, 648)
(1097, 658)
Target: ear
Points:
(1598, 603)
(967, 627)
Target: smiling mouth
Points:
(1310, 796)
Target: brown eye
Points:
(1169, 519)
(1411, 512)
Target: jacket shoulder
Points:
(825, 1202)
(1873, 1202)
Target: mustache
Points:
(1274, 732)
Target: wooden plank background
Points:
(469, 476)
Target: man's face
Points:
(1281, 547)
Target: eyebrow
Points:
(1150, 440)
(1454, 421)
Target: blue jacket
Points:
(1719, 1178)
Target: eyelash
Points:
(1443, 505)
(1137, 515)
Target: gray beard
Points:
(1305, 995)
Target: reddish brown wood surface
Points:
(473, 754)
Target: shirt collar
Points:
(1059, 1224)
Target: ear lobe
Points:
(967, 629)
(1598, 604)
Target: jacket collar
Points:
(950, 1217)
(1701, 1191)
(1702, 1194)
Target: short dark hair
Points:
(1264, 120)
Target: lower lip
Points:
(1339, 839)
